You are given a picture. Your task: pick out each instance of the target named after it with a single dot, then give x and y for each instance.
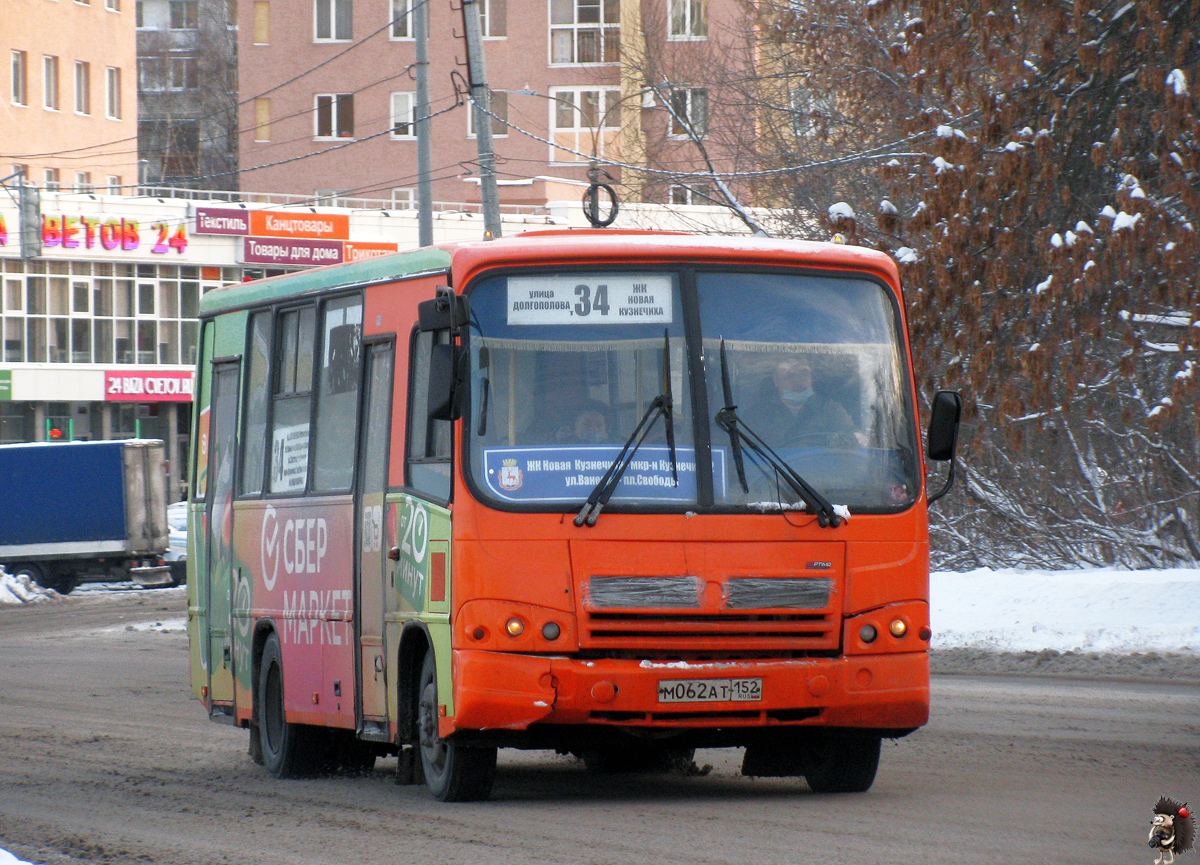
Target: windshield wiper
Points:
(661, 405)
(740, 433)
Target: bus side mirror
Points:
(943, 425)
(445, 383)
(447, 311)
(943, 435)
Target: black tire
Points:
(634, 758)
(47, 577)
(288, 750)
(841, 762)
(453, 772)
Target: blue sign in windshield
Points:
(568, 474)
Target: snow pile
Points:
(1068, 611)
(7, 858)
(22, 590)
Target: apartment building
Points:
(187, 93)
(68, 113)
(327, 90)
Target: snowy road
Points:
(104, 756)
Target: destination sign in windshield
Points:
(587, 298)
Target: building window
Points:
(335, 20)
(83, 87)
(404, 198)
(183, 14)
(402, 26)
(184, 73)
(335, 115)
(584, 121)
(170, 149)
(689, 109)
(262, 23)
(689, 19)
(150, 74)
(139, 14)
(585, 31)
(20, 78)
(50, 83)
(493, 18)
(809, 112)
(404, 116)
(112, 93)
(52, 179)
(262, 119)
(112, 5)
(113, 184)
(699, 193)
(498, 103)
(83, 181)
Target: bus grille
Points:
(766, 613)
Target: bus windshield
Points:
(565, 364)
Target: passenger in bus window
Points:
(791, 413)
(590, 426)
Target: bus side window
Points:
(428, 457)
(336, 432)
(293, 399)
(257, 389)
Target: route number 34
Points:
(589, 300)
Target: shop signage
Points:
(317, 226)
(222, 220)
(356, 251)
(5, 384)
(140, 386)
(71, 231)
(279, 250)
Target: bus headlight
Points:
(898, 627)
(515, 626)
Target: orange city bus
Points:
(617, 494)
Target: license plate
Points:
(709, 690)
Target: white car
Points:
(176, 555)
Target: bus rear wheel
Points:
(453, 772)
(841, 763)
(288, 750)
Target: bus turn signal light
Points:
(515, 627)
(898, 627)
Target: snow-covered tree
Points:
(1035, 166)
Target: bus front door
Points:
(370, 573)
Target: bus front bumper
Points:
(500, 691)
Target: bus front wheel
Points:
(288, 750)
(453, 772)
(841, 763)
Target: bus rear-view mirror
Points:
(943, 425)
(445, 312)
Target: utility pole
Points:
(488, 196)
(424, 153)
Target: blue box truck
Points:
(84, 511)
